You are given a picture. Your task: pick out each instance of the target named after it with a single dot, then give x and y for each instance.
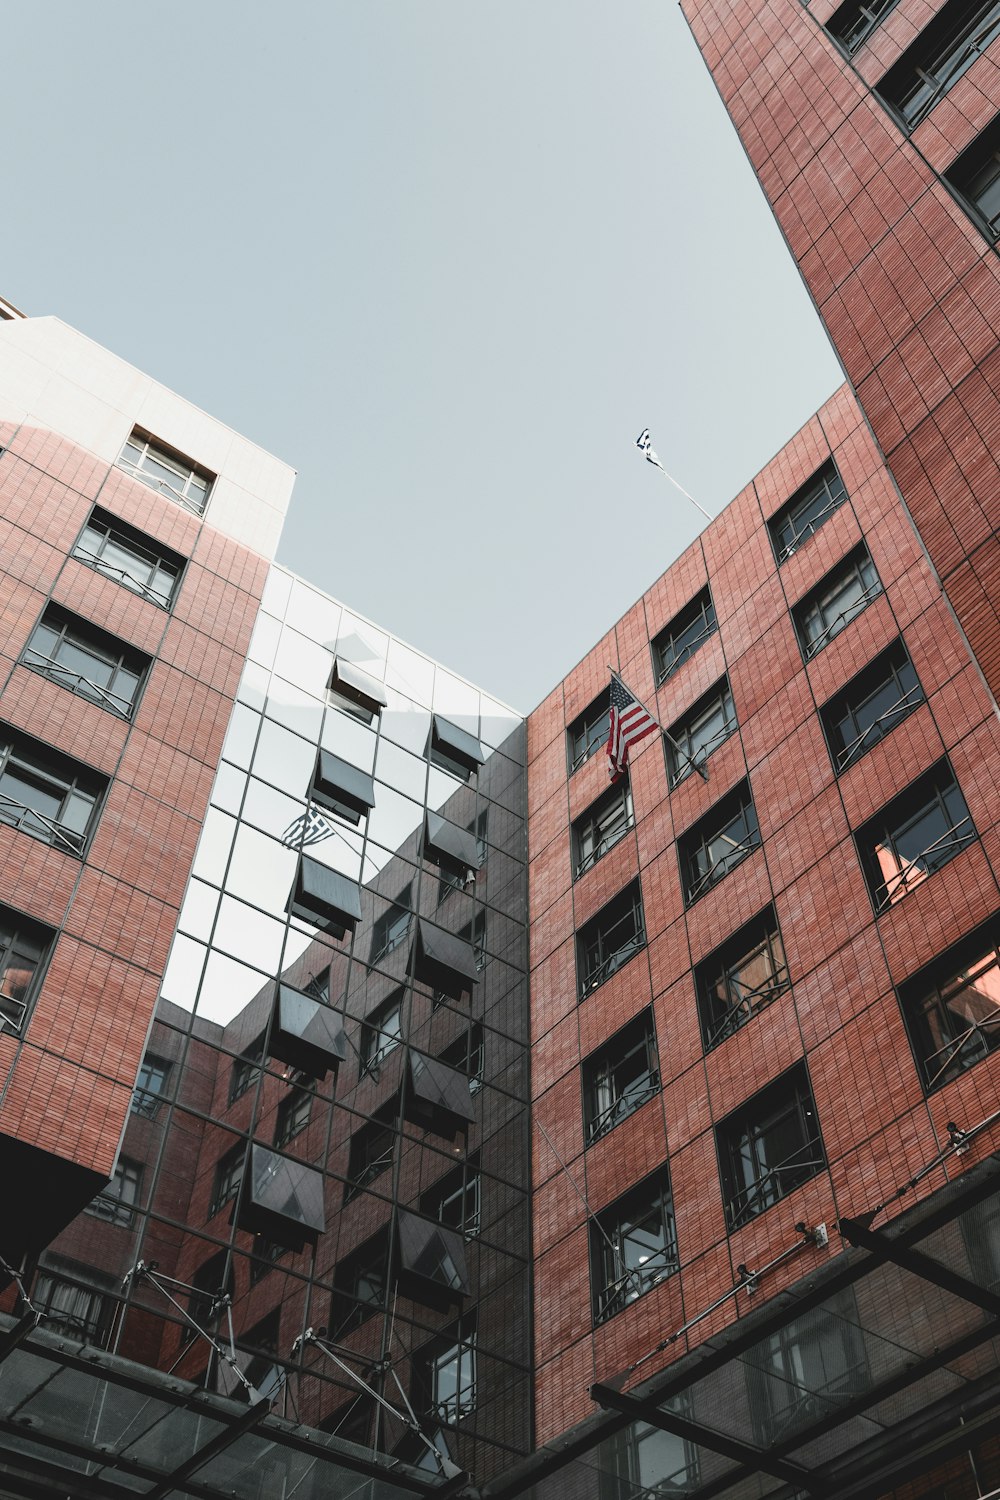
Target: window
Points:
(451, 879)
(481, 828)
(914, 835)
(46, 794)
(806, 1370)
(610, 939)
(646, 1463)
(854, 21)
(589, 731)
(455, 1200)
(769, 1146)
(632, 1246)
(150, 1086)
(683, 636)
(835, 601)
(228, 1176)
(870, 706)
(739, 979)
(359, 1285)
(88, 661)
(718, 842)
(292, 1115)
(447, 1375)
(124, 554)
(165, 471)
(944, 51)
(72, 1307)
(474, 932)
(601, 826)
(265, 1254)
(24, 947)
(806, 511)
(453, 748)
(975, 176)
(117, 1201)
(619, 1077)
(952, 1007)
(370, 1154)
(246, 1069)
(466, 1055)
(694, 737)
(381, 1033)
(392, 927)
(318, 987)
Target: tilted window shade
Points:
(453, 746)
(450, 846)
(281, 1199)
(357, 688)
(439, 1098)
(305, 1034)
(443, 961)
(342, 787)
(432, 1265)
(325, 898)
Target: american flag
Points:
(630, 723)
(309, 827)
(645, 442)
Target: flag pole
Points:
(702, 772)
(684, 492)
(645, 445)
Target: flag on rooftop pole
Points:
(309, 827)
(629, 723)
(645, 443)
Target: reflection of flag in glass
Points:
(629, 722)
(309, 827)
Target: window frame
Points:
(51, 773)
(370, 1151)
(696, 845)
(817, 606)
(458, 1347)
(389, 930)
(247, 1068)
(145, 552)
(588, 732)
(466, 1049)
(898, 820)
(23, 940)
(890, 668)
(686, 753)
(740, 1135)
(227, 1177)
(367, 1264)
(604, 824)
(462, 1188)
(606, 1101)
(942, 53)
(292, 1115)
(146, 1099)
(926, 997)
(721, 968)
(118, 1201)
(824, 486)
(596, 961)
(671, 647)
(154, 451)
(80, 635)
(850, 39)
(377, 1040)
(980, 156)
(621, 1224)
(100, 1302)
(825, 1335)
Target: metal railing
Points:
(842, 619)
(95, 561)
(597, 972)
(721, 867)
(752, 999)
(162, 486)
(983, 1034)
(47, 666)
(774, 1183)
(669, 667)
(626, 1104)
(811, 526)
(12, 1011)
(950, 843)
(28, 820)
(701, 752)
(884, 722)
(634, 1280)
(602, 846)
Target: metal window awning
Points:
(450, 846)
(341, 787)
(324, 898)
(455, 745)
(357, 688)
(443, 961)
(306, 1034)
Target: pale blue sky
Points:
(446, 257)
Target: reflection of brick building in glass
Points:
(752, 1248)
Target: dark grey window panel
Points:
(450, 846)
(357, 688)
(325, 898)
(305, 1034)
(443, 962)
(432, 1265)
(342, 788)
(439, 1098)
(454, 747)
(281, 1199)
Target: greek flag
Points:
(309, 827)
(645, 442)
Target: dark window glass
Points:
(610, 939)
(835, 601)
(806, 511)
(263, 1257)
(853, 22)
(381, 1033)
(718, 842)
(683, 636)
(392, 927)
(150, 1086)
(85, 659)
(72, 1307)
(806, 1370)
(481, 828)
(370, 1154)
(601, 826)
(124, 554)
(769, 1146)
(46, 794)
(318, 987)
(952, 1007)
(359, 1285)
(246, 1069)
(699, 732)
(24, 946)
(632, 1246)
(167, 472)
(740, 978)
(975, 176)
(466, 1055)
(118, 1200)
(870, 706)
(455, 1200)
(292, 1116)
(445, 1376)
(645, 1463)
(228, 1176)
(914, 835)
(589, 731)
(945, 50)
(620, 1076)
(474, 932)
